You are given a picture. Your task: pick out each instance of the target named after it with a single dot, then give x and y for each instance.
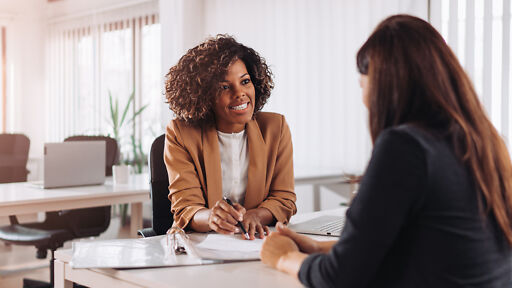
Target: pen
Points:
(238, 222)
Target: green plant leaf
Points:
(138, 112)
(126, 108)
(112, 114)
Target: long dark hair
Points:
(414, 77)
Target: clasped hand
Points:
(223, 219)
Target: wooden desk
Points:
(23, 198)
(231, 275)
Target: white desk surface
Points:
(312, 176)
(23, 198)
(238, 274)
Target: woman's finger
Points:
(252, 230)
(224, 215)
(215, 227)
(261, 232)
(267, 231)
(231, 210)
(222, 223)
(239, 208)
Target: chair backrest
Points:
(87, 222)
(14, 150)
(112, 149)
(159, 187)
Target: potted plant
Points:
(119, 122)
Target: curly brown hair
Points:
(192, 85)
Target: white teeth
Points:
(239, 107)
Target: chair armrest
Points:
(146, 232)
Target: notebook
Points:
(322, 225)
(73, 163)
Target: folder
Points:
(201, 249)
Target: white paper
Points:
(223, 247)
(229, 243)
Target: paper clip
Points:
(175, 238)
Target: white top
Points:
(234, 161)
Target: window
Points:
(94, 59)
(479, 33)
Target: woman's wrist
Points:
(290, 262)
(199, 222)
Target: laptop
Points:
(327, 225)
(74, 163)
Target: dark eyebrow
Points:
(226, 81)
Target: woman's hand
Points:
(305, 243)
(281, 252)
(253, 223)
(276, 246)
(223, 217)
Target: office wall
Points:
(25, 70)
(311, 48)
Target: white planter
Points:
(120, 174)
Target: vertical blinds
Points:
(478, 31)
(90, 57)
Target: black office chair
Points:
(159, 190)
(61, 226)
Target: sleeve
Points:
(391, 191)
(185, 191)
(281, 198)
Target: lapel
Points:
(255, 192)
(211, 156)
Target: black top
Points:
(415, 222)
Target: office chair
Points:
(159, 190)
(13, 157)
(112, 149)
(61, 226)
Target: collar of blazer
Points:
(255, 192)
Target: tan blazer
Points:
(192, 158)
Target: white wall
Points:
(25, 70)
(311, 48)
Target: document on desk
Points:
(129, 253)
(215, 246)
(202, 249)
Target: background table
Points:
(24, 198)
(331, 179)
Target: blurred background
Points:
(65, 64)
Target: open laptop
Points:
(322, 225)
(73, 163)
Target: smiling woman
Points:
(234, 107)
(220, 145)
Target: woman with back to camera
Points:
(221, 145)
(434, 208)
